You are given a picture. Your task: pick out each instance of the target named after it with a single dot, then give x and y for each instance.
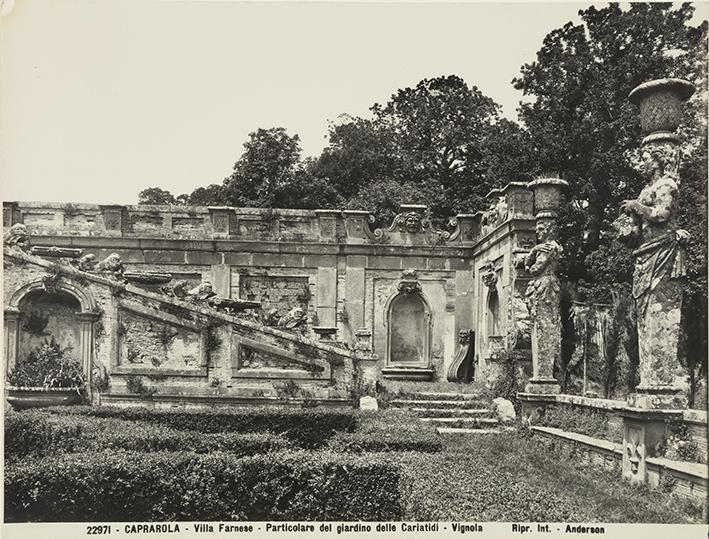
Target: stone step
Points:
(451, 412)
(418, 403)
(459, 431)
(464, 422)
(440, 395)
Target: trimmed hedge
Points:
(388, 430)
(308, 428)
(35, 432)
(128, 486)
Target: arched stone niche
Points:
(493, 313)
(408, 328)
(37, 312)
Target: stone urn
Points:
(21, 398)
(549, 195)
(660, 103)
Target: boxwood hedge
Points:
(128, 486)
(308, 428)
(35, 432)
(388, 430)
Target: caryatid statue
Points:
(651, 220)
(543, 295)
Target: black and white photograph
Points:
(356, 269)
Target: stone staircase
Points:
(451, 413)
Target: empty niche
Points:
(408, 330)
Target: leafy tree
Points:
(265, 173)
(581, 124)
(212, 195)
(440, 142)
(157, 196)
(359, 152)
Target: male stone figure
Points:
(542, 298)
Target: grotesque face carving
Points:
(464, 336)
(412, 222)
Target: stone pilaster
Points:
(326, 297)
(221, 280)
(86, 345)
(12, 319)
(10, 214)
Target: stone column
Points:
(12, 318)
(543, 293)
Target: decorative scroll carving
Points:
(17, 237)
(413, 219)
(460, 369)
(412, 222)
(409, 287)
(85, 263)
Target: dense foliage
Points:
(169, 486)
(48, 366)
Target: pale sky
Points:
(99, 100)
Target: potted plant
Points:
(47, 377)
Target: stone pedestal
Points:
(644, 432)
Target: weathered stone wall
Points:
(137, 344)
(331, 263)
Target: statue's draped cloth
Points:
(661, 258)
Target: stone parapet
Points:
(411, 227)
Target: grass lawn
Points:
(509, 478)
